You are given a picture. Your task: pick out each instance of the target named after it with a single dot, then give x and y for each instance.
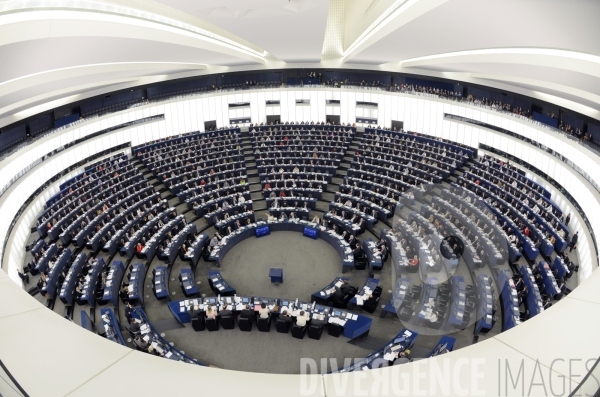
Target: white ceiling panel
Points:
(460, 25)
(293, 30)
(25, 58)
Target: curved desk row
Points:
(353, 325)
(511, 316)
(158, 343)
(197, 249)
(136, 278)
(227, 243)
(112, 283)
(67, 291)
(386, 355)
(91, 281)
(111, 326)
(55, 272)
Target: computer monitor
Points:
(285, 303)
(337, 313)
(245, 300)
(212, 300)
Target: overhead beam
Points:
(400, 13)
(547, 57)
(43, 24)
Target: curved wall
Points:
(108, 368)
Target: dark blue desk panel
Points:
(136, 283)
(42, 264)
(111, 326)
(559, 265)
(322, 296)
(328, 236)
(533, 299)
(367, 288)
(276, 275)
(485, 304)
(219, 285)
(550, 286)
(400, 293)
(195, 250)
(91, 282)
(113, 282)
(458, 300)
(429, 297)
(55, 272)
(67, 290)
(445, 343)
(150, 335)
(186, 279)
(374, 258)
(151, 245)
(370, 220)
(343, 224)
(160, 282)
(86, 321)
(178, 240)
(510, 301)
(401, 342)
(129, 247)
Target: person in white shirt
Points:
(241, 200)
(263, 312)
(302, 319)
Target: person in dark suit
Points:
(286, 317)
(547, 304)
(345, 288)
(134, 328)
(573, 243)
(371, 301)
(248, 313)
(337, 295)
(225, 311)
(23, 276)
(128, 308)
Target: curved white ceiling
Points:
(539, 48)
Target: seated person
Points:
(225, 311)
(23, 276)
(134, 328)
(247, 313)
(286, 317)
(263, 312)
(402, 355)
(345, 287)
(140, 343)
(371, 300)
(302, 318)
(211, 313)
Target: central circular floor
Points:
(308, 265)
